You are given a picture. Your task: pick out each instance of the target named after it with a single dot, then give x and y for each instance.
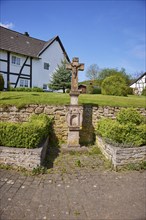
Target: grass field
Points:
(21, 99)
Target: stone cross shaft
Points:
(75, 66)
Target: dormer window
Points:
(15, 60)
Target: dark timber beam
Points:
(20, 72)
(30, 72)
(8, 70)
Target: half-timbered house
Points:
(139, 84)
(28, 62)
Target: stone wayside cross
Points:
(74, 115)
(75, 66)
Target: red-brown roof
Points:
(22, 44)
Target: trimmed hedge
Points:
(124, 129)
(25, 135)
(26, 89)
(130, 115)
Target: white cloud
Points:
(7, 25)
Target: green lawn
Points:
(20, 99)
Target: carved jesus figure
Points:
(74, 67)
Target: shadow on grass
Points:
(35, 94)
(12, 97)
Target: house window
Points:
(44, 86)
(46, 66)
(15, 60)
(23, 83)
(26, 83)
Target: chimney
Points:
(26, 34)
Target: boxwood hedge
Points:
(129, 128)
(26, 135)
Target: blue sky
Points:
(108, 33)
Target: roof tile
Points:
(20, 43)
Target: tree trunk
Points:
(63, 90)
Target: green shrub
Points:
(24, 89)
(114, 85)
(96, 90)
(1, 82)
(128, 128)
(130, 91)
(129, 133)
(90, 89)
(129, 115)
(36, 89)
(144, 92)
(28, 134)
(67, 90)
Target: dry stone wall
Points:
(91, 115)
(23, 157)
(120, 156)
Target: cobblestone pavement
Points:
(82, 195)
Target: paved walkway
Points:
(84, 195)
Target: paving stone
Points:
(84, 195)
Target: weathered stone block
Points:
(39, 110)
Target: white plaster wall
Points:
(140, 84)
(3, 55)
(3, 65)
(13, 67)
(52, 55)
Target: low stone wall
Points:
(22, 157)
(121, 156)
(91, 115)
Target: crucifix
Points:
(75, 66)
(74, 115)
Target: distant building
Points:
(27, 61)
(139, 84)
(82, 88)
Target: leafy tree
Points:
(92, 72)
(1, 82)
(114, 85)
(106, 72)
(61, 79)
(90, 88)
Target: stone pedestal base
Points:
(65, 149)
(74, 98)
(73, 139)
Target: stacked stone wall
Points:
(23, 157)
(91, 115)
(120, 156)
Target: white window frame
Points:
(45, 86)
(24, 83)
(46, 66)
(21, 83)
(16, 60)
